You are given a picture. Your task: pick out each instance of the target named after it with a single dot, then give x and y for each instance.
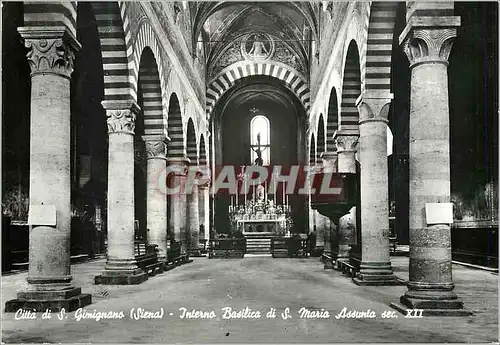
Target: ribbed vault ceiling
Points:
(220, 24)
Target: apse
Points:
(257, 106)
(259, 122)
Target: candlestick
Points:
(283, 187)
(237, 185)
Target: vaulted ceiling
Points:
(223, 24)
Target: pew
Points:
(146, 256)
(175, 257)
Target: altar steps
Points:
(258, 245)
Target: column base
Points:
(376, 274)
(40, 301)
(121, 277)
(417, 307)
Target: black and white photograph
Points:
(249, 172)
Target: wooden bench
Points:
(147, 258)
(175, 257)
(347, 268)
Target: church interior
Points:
(109, 106)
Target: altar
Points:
(261, 216)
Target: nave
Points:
(258, 283)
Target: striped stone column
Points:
(121, 266)
(177, 169)
(375, 268)
(50, 56)
(427, 42)
(156, 194)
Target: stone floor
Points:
(260, 283)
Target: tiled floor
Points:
(259, 283)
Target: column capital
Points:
(51, 50)
(156, 146)
(178, 166)
(429, 39)
(346, 141)
(121, 116)
(374, 107)
(329, 159)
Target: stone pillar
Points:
(156, 193)
(50, 55)
(427, 42)
(177, 168)
(193, 219)
(346, 235)
(204, 208)
(346, 150)
(375, 268)
(329, 160)
(321, 228)
(121, 266)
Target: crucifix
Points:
(258, 151)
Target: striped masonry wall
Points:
(176, 145)
(117, 84)
(379, 46)
(321, 138)
(227, 78)
(332, 121)
(203, 151)
(50, 14)
(349, 115)
(191, 149)
(312, 151)
(429, 9)
(150, 90)
(146, 37)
